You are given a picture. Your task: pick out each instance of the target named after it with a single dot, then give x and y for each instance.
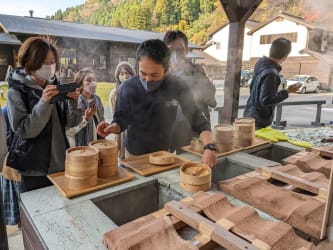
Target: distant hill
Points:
(197, 18)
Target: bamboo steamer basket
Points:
(195, 177)
(224, 137)
(108, 157)
(161, 158)
(197, 145)
(245, 131)
(81, 167)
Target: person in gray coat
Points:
(39, 142)
(93, 109)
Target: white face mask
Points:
(91, 88)
(46, 71)
(123, 78)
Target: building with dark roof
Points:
(80, 45)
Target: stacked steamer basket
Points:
(245, 131)
(195, 177)
(81, 166)
(224, 137)
(108, 157)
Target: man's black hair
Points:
(156, 50)
(172, 35)
(280, 48)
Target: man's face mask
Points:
(46, 71)
(177, 57)
(152, 85)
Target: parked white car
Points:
(309, 83)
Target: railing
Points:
(281, 124)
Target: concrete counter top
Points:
(78, 223)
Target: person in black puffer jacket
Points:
(264, 94)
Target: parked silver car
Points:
(309, 83)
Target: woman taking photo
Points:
(93, 109)
(39, 141)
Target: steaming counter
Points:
(50, 221)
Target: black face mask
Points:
(153, 85)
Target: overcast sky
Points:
(41, 8)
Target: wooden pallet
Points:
(218, 155)
(255, 189)
(257, 142)
(142, 166)
(295, 181)
(223, 232)
(58, 180)
(322, 151)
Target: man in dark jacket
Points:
(194, 76)
(147, 106)
(264, 94)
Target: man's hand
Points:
(104, 129)
(209, 158)
(293, 88)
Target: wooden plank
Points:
(141, 165)
(207, 228)
(295, 181)
(218, 155)
(323, 151)
(257, 142)
(327, 212)
(58, 180)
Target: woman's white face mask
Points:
(46, 71)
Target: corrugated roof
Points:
(41, 26)
(9, 39)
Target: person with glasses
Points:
(196, 79)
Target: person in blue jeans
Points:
(11, 184)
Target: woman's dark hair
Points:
(123, 66)
(172, 35)
(81, 74)
(33, 52)
(156, 50)
(280, 48)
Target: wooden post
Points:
(234, 67)
(238, 12)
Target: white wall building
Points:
(217, 46)
(258, 39)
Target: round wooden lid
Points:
(224, 128)
(161, 158)
(81, 151)
(249, 120)
(103, 144)
(195, 169)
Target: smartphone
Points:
(91, 103)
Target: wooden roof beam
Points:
(239, 10)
